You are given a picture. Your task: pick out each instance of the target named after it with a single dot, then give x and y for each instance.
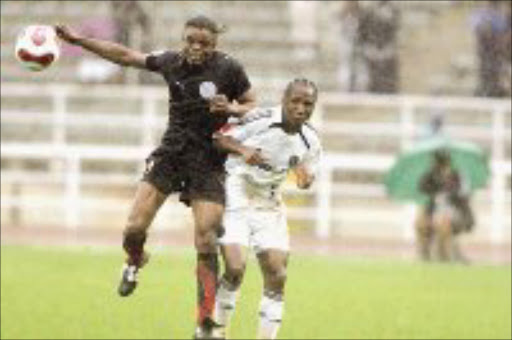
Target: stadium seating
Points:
(262, 41)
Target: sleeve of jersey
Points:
(239, 79)
(241, 131)
(156, 60)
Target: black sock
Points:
(133, 244)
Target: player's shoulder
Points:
(310, 130)
(164, 53)
(311, 135)
(258, 114)
(157, 58)
(226, 60)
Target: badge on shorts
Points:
(207, 89)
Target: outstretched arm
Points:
(111, 51)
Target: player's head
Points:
(200, 38)
(299, 101)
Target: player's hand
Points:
(304, 178)
(252, 156)
(219, 104)
(66, 34)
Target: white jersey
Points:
(261, 128)
(255, 215)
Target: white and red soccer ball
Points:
(37, 47)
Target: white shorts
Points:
(254, 217)
(259, 229)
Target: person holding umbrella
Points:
(439, 174)
(447, 212)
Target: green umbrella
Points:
(403, 178)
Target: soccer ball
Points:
(37, 47)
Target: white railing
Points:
(147, 122)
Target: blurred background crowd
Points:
(374, 46)
(389, 73)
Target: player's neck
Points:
(290, 129)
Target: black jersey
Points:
(190, 121)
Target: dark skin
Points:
(198, 45)
(298, 105)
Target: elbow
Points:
(125, 60)
(128, 58)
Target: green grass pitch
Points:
(69, 293)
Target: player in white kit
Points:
(263, 147)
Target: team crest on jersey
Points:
(294, 160)
(207, 89)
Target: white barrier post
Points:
(72, 197)
(148, 119)
(323, 198)
(59, 118)
(407, 123)
(408, 224)
(498, 176)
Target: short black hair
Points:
(302, 81)
(204, 22)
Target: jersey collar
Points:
(281, 124)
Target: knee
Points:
(423, 226)
(235, 273)
(205, 239)
(444, 229)
(423, 229)
(276, 278)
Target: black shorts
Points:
(192, 173)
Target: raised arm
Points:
(111, 51)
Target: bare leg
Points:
(235, 262)
(207, 218)
(444, 238)
(147, 201)
(423, 226)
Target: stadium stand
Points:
(77, 149)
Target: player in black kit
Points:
(206, 86)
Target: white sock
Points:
(225, 302)
(271, 313)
